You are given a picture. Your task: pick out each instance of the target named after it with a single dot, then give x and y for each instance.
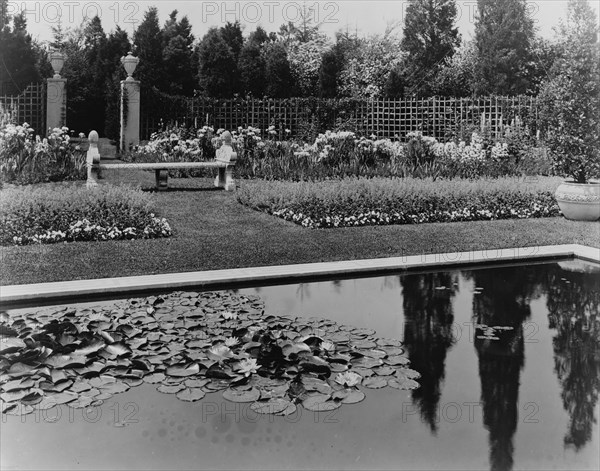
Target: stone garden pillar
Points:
(130, 105)
(56, 94)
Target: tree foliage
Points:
(429, 38)
(570, 98)
(503, 37)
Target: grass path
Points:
(213, 231)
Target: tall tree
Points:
(504, 34)
(177, 55)
(216, 63)
(328, 74)
(430, 37)
(251, 63)
(147, 41)
(18, 56)
(279, 80)
(117, 45)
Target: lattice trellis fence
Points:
(439, 117)
(28, 107)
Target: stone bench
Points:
(224, 162)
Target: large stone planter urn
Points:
(579, 201)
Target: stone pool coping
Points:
(122, 286)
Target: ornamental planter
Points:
(579, 201)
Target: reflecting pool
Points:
(509, 359)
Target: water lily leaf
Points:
(363, 344)
(102, 380)
(10, 344)
(14, 396)
(17, 385)
(290, 409)
(348, 396)
(171, 389)
(316, 365)
(383, 342)
(154, 378)
(348, 379)
(216, 384)
(272, 406)
(235, 395)
(403, 383)
(366, 362)
(397, 360)
(274, 391)
(407, 373)
(320, 403)
(117, 349)
(80, 386)
(375, 382)
(191, 394)
(182, 370)
(373, 353)
(384, 371)
(113, 388)
(392, 351)
(81, 402)
(91, 347)
(62, 398)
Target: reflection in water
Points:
(503, 302)
(574, 311)
(428, 334)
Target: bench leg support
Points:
(225, 179)
(162, 179)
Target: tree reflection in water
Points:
(428, 335)
(574, 311)
(503, 301)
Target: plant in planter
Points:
(570, 113)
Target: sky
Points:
(364, 17)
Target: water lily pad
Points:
(113, 388)
(407, 373)
(366, 362)
(272, 406)
(81, 403)
(235, 395)
(320, 403)
(375, 382)
(384, 371)
(170, 389)
(62, 398)
(405, 383)
(182, 370)
(348, 395)
(397, 360)
(191, 394)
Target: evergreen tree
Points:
(117, 45)
(232, 35)
(430, 38)
(216, 64)
(251, 64)
(328, 74)
(177, 56)
(148, 43)
(504, 34)
(279, 80)
(18, 57)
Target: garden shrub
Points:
(62, 213)
(25, 158)
(378, 201)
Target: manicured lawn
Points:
(213, 231)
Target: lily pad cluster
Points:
(189, 344)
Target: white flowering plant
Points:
(29, 158)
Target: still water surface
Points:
(528, 400)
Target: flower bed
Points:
(65, 214)
(267, 154)
(27, 158)
(362, 202)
